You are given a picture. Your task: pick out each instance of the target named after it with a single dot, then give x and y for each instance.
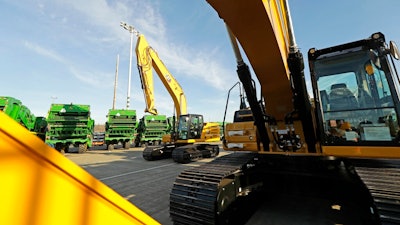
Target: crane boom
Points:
(147, 59)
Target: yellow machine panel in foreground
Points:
(41, 186)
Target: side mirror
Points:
(394, 51)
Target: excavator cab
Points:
(190, 126)
(355, 87)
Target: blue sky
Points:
(64, 51)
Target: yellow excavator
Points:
(336, 161)
(192, 138)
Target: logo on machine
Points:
(168, 78)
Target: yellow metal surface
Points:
(362, 151)
(39, 186)
(240, 132)
(147, 59)
(210, 132)
(260, 28)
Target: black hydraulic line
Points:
(245, 77)
(249, 88)
(301, 99)
(226, 105)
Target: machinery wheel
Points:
(62, 150)
(66, 149)
(147, 154)
(110, 147)
(144, 145)
(59, 147)
(215, 151)
(156, 143)
(82, 148)
(127, 145)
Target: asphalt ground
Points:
(146, 184)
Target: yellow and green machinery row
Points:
(71, 125)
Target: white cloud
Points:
(145, 16)
(96, 79)
(200, 65)
(93, 78)
(44, 51)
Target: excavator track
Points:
(151, 153)
(147, 153)
(186, 154)
(194, 193)
(383, 182)
(194, 152)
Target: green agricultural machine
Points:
(151, 129)
(120, 128)
(69, 124)
(20, 113)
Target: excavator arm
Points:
(147, 59)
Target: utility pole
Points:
(115, 82)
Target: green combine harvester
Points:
(151, 129)
(69, 124)
(20, 113)
(120, 128)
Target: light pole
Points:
(131, 30)
(53, 97)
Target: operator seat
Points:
(365, 100)
(341, 98)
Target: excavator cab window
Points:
(190, 126)
(356, 97)
(243, 115)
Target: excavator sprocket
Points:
(194, 193)
(382, 178)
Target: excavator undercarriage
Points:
(333, 190)
(181, 153)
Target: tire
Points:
(216, 151)
(66, 149)
(110, 147)
(127, 145)
(61, 148)
(82, 148)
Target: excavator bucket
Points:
(41, 186)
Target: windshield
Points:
(355, 98)
(190, 126)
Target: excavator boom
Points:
(147, 59)
(262, 31)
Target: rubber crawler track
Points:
(384, 186)
(194, 193)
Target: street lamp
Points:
(132, 31)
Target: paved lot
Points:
(146, 184)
